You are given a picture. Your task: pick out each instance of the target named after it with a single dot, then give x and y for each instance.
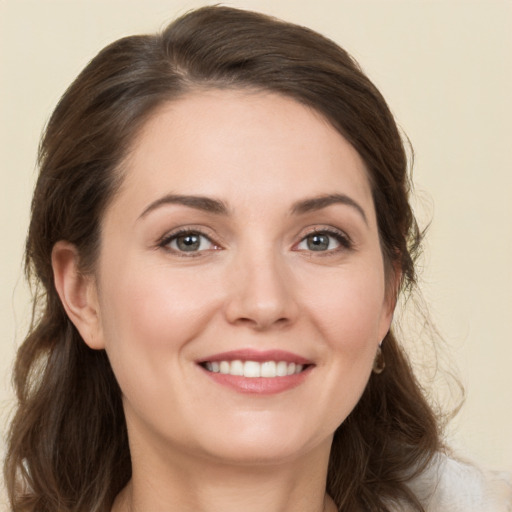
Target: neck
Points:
(164, 484)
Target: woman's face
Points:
(243, 241)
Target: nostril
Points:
(261, 322)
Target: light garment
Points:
(450, 485)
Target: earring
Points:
(379, 364)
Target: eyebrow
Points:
(203, 203)
(317, 203)
(210, 205)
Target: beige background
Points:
(445, 68)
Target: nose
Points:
(261, 294)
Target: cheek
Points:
(350, 311)
(152, 313)
(350, 314)
(150, 319)
(352, 335)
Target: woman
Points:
(220, 231)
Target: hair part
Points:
(68, 444)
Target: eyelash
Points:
(167, 239)
(344, 241)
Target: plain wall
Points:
(445, 68)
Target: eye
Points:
(323, 241)
(188, 241)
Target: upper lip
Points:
(258, 356)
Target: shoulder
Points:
(451, 485)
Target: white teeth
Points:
(237, 368)
(268, 369)
(252, 369)
(282, 368)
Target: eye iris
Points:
(318, 242)
(188, 242)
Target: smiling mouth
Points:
(254, 369)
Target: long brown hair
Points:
(68, 445)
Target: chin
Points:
(265, 444)
(256, 454)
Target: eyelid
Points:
(344, 240)
(164, 241)
(341, 236)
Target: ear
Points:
(393, 281)
(78, 293)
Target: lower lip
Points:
(259, 385)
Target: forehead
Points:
(242, 144)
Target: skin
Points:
(254, 283)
